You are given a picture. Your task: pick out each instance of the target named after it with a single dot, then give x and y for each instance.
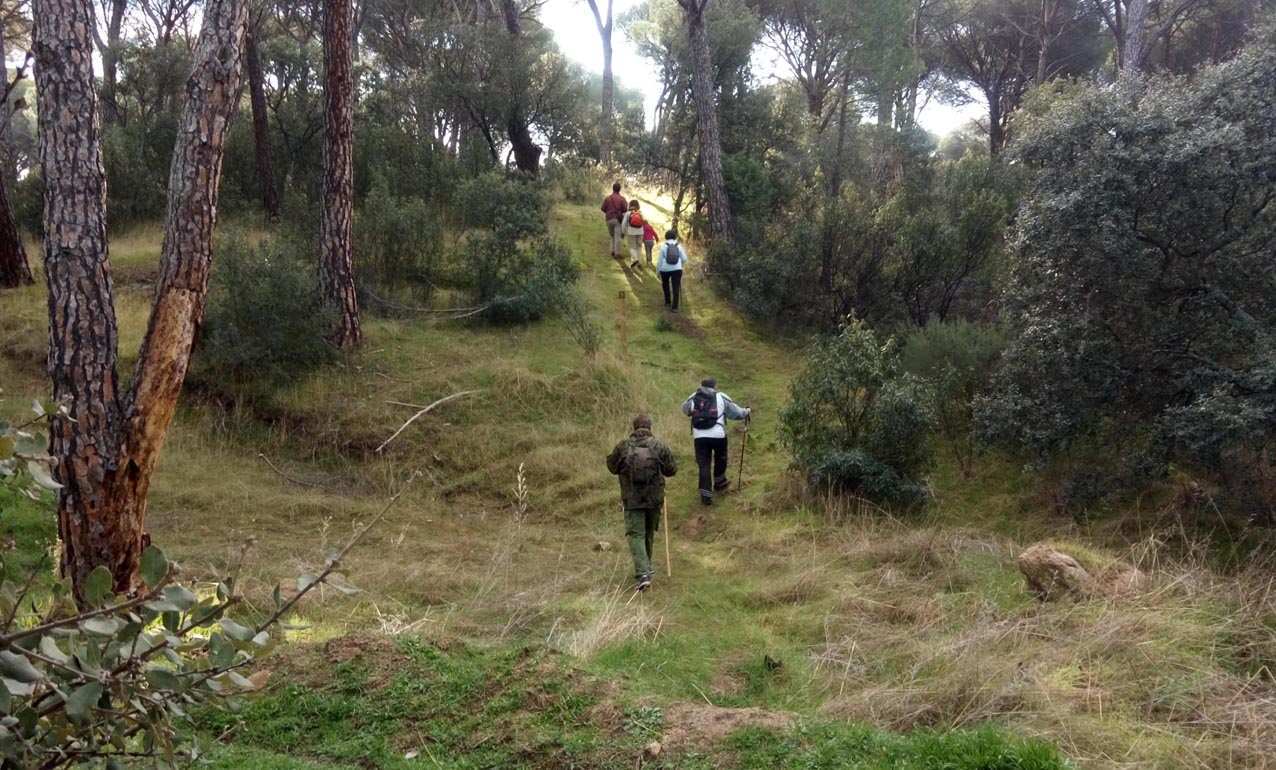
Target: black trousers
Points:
(711, 456)
(673, 277)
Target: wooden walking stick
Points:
(744, 441)
(668, 563)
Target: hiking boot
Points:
(633, 263)
(721, 485)
(706, 500)
(643, 583)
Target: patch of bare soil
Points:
(698, 726)
(312, 664)
(696, 526)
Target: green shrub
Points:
(499, 202)
(569, 181)
(958, 359)
(516, 282)
(855, 423)
(574, 313)
(266, 318)
(398, 243)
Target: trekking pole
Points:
(668, 563)
(744, 442)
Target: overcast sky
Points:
(573, 27)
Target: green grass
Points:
(395, 704)
(903, 624)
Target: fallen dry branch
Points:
(424, 410)
(300, 482)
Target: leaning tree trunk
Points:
(106, 448)
(110, 60)
(336, 258)
(261, 129)
(707, 121)
(527, 155)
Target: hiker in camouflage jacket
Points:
(642, 491)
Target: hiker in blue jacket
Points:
(672, 257)
(709, 410)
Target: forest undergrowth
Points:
(491, 563)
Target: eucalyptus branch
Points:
(335, 561)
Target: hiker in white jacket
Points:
(709, 410)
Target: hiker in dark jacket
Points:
(615, 207)
(642, 462)
(709, 410)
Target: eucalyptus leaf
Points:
(18, 668)
(40, 473)
(236, 631)
(100, 626)
(154, 566)
(83, 699)
(97, 587)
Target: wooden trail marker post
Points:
(668, 562)
(624, 327)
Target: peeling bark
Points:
(106, 453)
(336, 258)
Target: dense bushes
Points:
(855, 422)
(265, 320)
(518, 282)
(932, 250)
(1143, 294)
(957, 359)
(399, 243)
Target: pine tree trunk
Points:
(82, 329)
(996, 130)
(336, 258)
(1132, 48)
(105, 454)
(707, 121)
(261, 129)
(14, 269)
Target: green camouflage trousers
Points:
(640, 530)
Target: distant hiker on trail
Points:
(709, 411)
(648, 239)
(672, 257)
(634, 232)
(642, 462)
(615, 207)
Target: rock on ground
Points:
(1051, 573)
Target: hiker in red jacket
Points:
(648, 239)
(615, 207)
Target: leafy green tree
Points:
(1143, 294)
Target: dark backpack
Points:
(673, 254)
(704, 410)
(642, 464)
